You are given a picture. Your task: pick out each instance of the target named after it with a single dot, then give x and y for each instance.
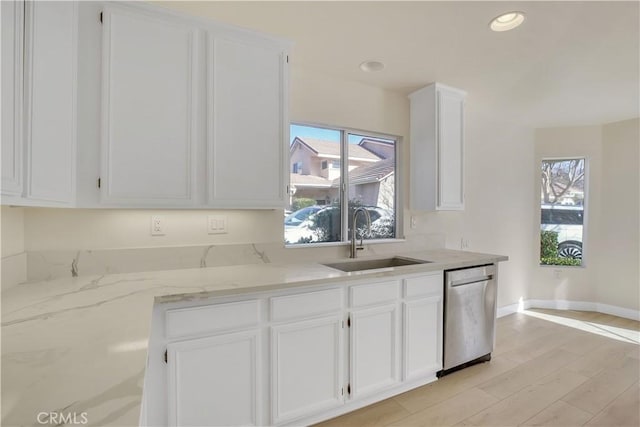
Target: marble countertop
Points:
(78, 346)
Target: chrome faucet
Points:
(354, 248)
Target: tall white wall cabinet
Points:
(191, 113)
(437, 148)
(38, 103)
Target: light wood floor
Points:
(543, 373)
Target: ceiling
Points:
(570, 63)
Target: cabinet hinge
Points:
(99, 182)
(100, 17)
(165, 356)
(349, 389)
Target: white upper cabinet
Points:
(38, 142)
(437, 148)
(193, 112)
(149, 107)
(12, 48)
(247, 122)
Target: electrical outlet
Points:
(217, 224)
(413, 222)
(464, 243)
(157, 225)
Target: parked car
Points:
(309, 231)
(296, 218)
(568, 222)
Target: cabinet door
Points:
(450, 150)
(50, 79)
(422, 337)
(150, 88)
(12, 30)
(248, 131)
(306, 367)
(374, 349)
(214, 381)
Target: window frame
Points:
(344, 184)
(585, 209)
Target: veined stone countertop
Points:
(78, 346)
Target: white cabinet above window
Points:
(437, 148)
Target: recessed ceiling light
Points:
(507, 21)
(371, 66)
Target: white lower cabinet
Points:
(306, 367)
(215, 380)
(294, 357)
(422, 337)
(374, 350)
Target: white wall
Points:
(618, 280)
(573, 283)
(611, 256)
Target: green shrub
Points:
(548, 245)
(560, 261)
(549, 251)
(302, 202)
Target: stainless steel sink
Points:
(373, 264)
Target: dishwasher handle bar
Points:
(471, 280)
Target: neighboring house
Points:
(315, 171)
(373, 185)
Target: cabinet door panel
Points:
(246, 126)
(450, 150)
(12, 30)
(306, 367)
(422, 337)
(50, 99)
(374, 349)
(214, 381)
(149, 94)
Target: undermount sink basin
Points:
(372, 264)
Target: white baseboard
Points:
(613, 310)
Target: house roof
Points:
(309, 181)
(370, 173)
(330, 149)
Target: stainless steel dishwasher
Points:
(469, 316)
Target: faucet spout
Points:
(354, 249)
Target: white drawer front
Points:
(431, 284)
(375, 293)
(211, 318)
(306, 305)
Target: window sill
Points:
(561, 266)
(335, 244)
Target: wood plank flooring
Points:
(549, 368)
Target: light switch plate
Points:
(217, 224)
